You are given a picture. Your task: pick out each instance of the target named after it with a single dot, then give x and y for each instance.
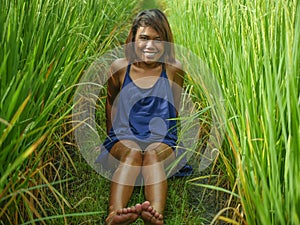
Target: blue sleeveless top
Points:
(144, 115)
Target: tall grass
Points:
(252, 48)
(45, 46)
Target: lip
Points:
(150, 53)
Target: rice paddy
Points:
(252, 50)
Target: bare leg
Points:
(123, 183)
(156, 157)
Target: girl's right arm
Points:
(112, 87)
(114, 83)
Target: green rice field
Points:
(252, 50)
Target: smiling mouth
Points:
(150, 54)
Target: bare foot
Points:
(150, 216)
(124, 216)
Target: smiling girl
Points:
(143, 95)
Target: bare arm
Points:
(177, 76)
(114, 83)
(113, 88)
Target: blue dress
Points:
(143, 115)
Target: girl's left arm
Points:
(178, 79)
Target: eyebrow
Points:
(145, 35)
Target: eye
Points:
(143, 38)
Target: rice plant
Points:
(45, 47)
(252, 48)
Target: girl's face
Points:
(149, 47)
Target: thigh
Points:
(127, 150)
(160, 152)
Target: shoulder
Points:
(175, 70)
(118, 66)
(117, 73)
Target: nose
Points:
(150, 44)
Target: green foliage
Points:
(252, 48)
(45, 47)
(152, 4)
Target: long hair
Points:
(157, 20)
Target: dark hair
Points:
(157, 20)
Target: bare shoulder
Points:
(117, 73)
(175, 70)
(118, 66)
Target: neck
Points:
(145, 65)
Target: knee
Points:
(150, 157)
(132, 157)
(127, 153)
(153, 169)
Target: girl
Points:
(143, 94)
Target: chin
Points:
(150, 61)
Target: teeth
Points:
(149, 53)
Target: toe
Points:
(138, 208)
(145, 205)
